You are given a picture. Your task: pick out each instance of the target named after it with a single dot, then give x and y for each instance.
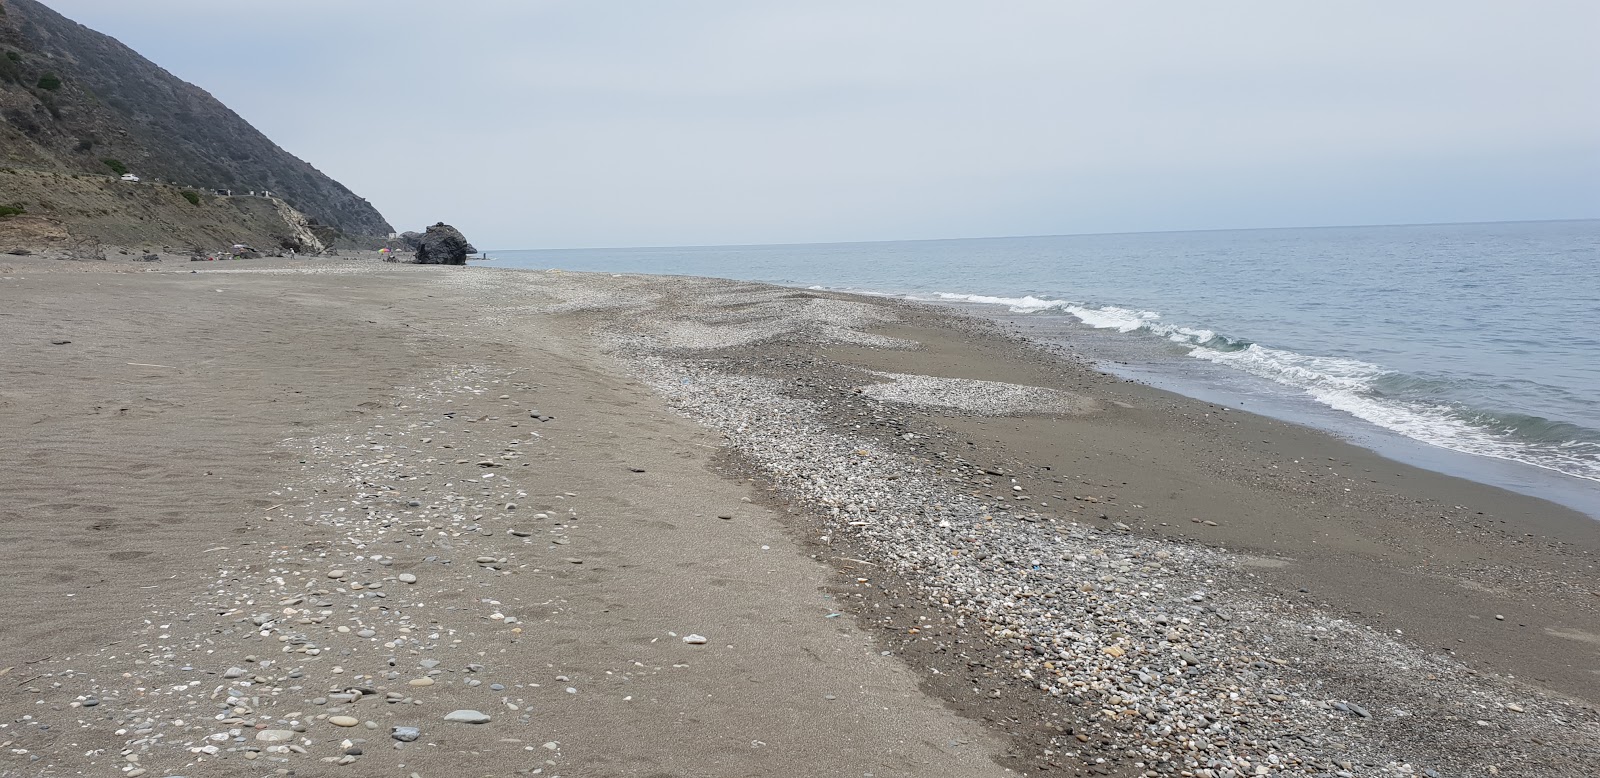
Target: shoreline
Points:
(1418, 383)
(1187, 377)
(1068, 635)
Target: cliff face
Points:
(72, 98)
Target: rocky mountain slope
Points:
(75, 101)
(63, 210)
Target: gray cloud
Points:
(610, 123)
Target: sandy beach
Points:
(342, 517)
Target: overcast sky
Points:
(589, 123)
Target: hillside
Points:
(72, 98)
(61, 207)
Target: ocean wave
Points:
(1415, 407)
(1356, 388)
(1024, 304)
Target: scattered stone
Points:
(344, 721)
(405, 734)
(695, 640)
(467, 717)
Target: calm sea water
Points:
(1469, 348)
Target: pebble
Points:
(406, 578)
(695, 640)
(420, 682)
(344, 721)
(467, 717)
(275, 735)
(405, 734)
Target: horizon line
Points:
(1047, 235)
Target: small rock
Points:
(695, 640)
(275, 735)
(344, 721)
(406, 578)
(467, 717)
(405, 734)
(421, 682)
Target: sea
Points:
(1469, 349)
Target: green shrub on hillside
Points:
(116, 166)
(49, 82)
(13, 56)
(192, 197)
(11, 210)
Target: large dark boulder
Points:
(443, 245)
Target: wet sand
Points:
(184, 475)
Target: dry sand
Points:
(239, 471)
(196, 440)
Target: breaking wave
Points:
(1412, 406)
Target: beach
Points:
(320, 516)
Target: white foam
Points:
(1025, 304)
(1346, 385)
(1114, 318)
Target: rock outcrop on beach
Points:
(76, 102)
(443, 245)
